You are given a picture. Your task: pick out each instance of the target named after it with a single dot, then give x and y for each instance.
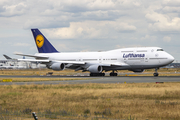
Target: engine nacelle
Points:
(138, 70)
(95, 69)
(57, 66)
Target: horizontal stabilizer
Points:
(7, 57)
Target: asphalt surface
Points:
(106, 79)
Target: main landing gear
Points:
(103, 74)
(113, 74)
(156, 74)
(97, 74)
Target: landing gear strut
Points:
(97, 74)
(113, 74)
(156, 74)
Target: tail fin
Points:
(43, 45)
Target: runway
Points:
(106, 79)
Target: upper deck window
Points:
(160, 50)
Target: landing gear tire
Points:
(97, 74)
(156, 74)
(113, 74)
(91, 74)
(102, 74)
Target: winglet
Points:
(43, 45)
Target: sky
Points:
(90, 25)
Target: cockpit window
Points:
(160, 50)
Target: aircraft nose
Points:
(171, 58)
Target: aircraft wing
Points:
(37, 57)
(119, 64)
(113, 64)
(47, 61)
(33, 60)
(70, 62)
(44, 59)
(73, 62)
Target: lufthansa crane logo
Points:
(39, 41)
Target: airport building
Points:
(14, 64)
(173, 65)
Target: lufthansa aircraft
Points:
(133, 59)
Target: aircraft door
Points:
(79, 59)
(100, 59)
(157, 57)
(146, 59)
(125, 60)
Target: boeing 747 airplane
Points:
(133, 59)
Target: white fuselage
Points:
(127, 58)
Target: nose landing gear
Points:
(156, 74)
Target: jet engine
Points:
(57, 66)
(95, 69)
(138, 70)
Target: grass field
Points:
(43, 72)
(135, 101)
(39, 79)
(131, 101)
